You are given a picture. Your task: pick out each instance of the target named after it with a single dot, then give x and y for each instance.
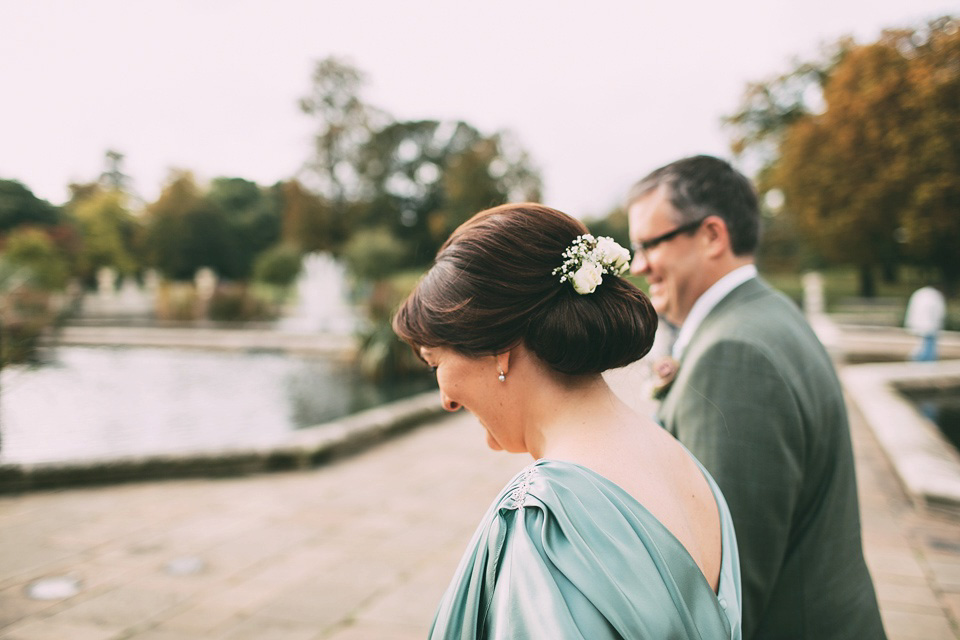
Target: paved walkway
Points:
(913, 555)
(358, 550)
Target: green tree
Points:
(614, 225)
(386, 194)
(253, 214)
(481, 172)
(870, 177)
(108, 230)
(422, 179)
(100, 213)
(417, 179)
(113, 178)
(186, 231)
(18, 206)
(344, 125)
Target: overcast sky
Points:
(598, 92)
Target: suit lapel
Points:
(750, 289)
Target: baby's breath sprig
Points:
(588, 259)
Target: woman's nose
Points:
(448, 404)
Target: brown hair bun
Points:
(491, 287)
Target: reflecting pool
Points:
(943, 409)
(99, 403)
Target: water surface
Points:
(943, 409)
(101, 402)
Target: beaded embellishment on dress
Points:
(519, 493)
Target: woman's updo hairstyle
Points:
(492, 287)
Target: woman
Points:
(615, 531)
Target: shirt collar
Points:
(707, 301)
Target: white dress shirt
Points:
(707, 301)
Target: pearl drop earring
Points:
(502, 377)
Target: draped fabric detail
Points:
(519, 492)
(565, 553)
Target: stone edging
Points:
(217, 339)
(927, 464)
(305, 448)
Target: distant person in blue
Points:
(926, 313)
(615, 530)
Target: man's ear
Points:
(716, 235)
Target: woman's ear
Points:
(503, 362)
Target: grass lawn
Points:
(842, 285)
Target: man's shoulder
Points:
(755, 312)
(759, 328)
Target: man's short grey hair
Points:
(701, 186)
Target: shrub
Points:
(373, 254)
(33, 250)
(236, 303)
(278, 266)
(382, 355)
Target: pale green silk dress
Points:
(565, 553)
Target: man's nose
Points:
(448, 404)
(639, 263)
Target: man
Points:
(756, 399)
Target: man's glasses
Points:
(643, 246)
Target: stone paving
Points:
(913, 555)
(360, 549)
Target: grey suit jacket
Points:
(757, 400)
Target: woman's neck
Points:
(568, 422)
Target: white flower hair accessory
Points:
(588, 259)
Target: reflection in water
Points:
(319, 391)
(92, 402)
(941, 408)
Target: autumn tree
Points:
(930, 158)
(870, 173)
(768, 108)
(307, 220)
